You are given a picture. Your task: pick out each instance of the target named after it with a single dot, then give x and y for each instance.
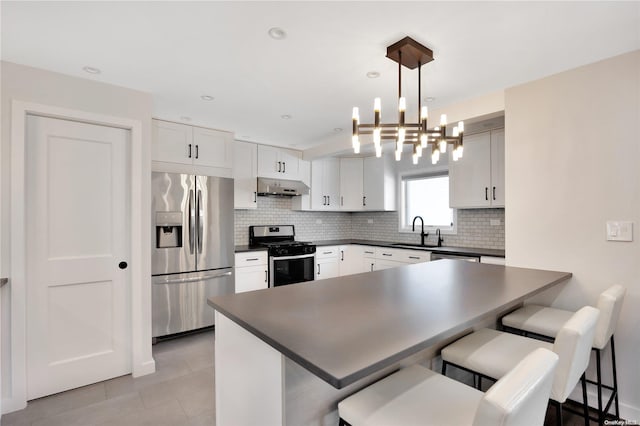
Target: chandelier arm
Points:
(419, 89)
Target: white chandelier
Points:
(412, 55)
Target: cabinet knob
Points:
(122, 265)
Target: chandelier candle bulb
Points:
(443, 146)
(356, 147)
(461, 126)
(378, 151)
(415, 159)
(423, 140)
(424, 113)
(398, 155)
(419, 150)
(443, 120)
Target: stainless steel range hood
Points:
(281, 187)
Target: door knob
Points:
(122, 265)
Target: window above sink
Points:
(426, 195)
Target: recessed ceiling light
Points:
(91, 70)
(337, 129)
(277, 33)
(285, 117)
(185, 118)
(207, 98)
(373, 74)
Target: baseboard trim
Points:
(142, 369)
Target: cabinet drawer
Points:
(492, 260)
(251, 258)
(369, 252)
(413, 256)
(327, 252)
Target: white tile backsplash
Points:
(474, 225)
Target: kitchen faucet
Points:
(440, 240)
(422, 234)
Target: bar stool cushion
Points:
(493, 353)
(548, 321)
(416, 396)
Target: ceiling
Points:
(179, 51)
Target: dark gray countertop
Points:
(343, 329)
(468, 251)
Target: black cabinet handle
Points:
(122, 265)
(364, 201)
(342, 255)
(328, 200)
(494, 193)
(279, 166)
(486, 193)
(387, 254)
(372, 267)
(255, 197)
(284, 167)
(189, 150)
(414, 257)
(197, 151)
(252, 259)
(266, 276)
(318, 269)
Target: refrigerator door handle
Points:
(200, 219)
(194, 279)
(191, 218)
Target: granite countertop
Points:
(344, 329)
(468, 251)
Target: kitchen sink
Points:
(415, 245)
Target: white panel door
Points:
(78, 321)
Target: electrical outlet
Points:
(618, 230)
(494, 222)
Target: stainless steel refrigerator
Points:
(192, 250)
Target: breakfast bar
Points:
(287, 355)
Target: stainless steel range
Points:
(290, 261)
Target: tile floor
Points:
(180, 393)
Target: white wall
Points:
(39, 86)
(573, 162)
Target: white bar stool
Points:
(416, 396)
(546, 322)
(491, 354)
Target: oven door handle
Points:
(299, 256)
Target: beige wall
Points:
(572, 163)
(44, 87)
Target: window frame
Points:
(412, 175)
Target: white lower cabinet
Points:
(251, 271)
(351, 256)
(379, 258)
(327, 262)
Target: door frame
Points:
(140, 276)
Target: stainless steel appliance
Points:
(290, 261)
(192, 250)
(468, 258)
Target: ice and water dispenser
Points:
(168, 229)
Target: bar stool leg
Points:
(599, 384)
(583, 379)
(615, 376)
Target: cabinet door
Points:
(251, 278)
(327, 268)
(470, 176)
(497, 168)
(351, 260)
(212, 148)
(351, 183)
(331, 183)
(268, 162)
(290, 167)
(244, 175)
(172, 142)
(379, 184)
(368, 264)
(318, 198)
(387, 264)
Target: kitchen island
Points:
(287, 355)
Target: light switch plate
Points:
(619, 230)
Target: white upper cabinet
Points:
(245, 167)
(379, 185)
(477, 179)
(325, 184)
(180, 148)
(351, 180)
(278, 163)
